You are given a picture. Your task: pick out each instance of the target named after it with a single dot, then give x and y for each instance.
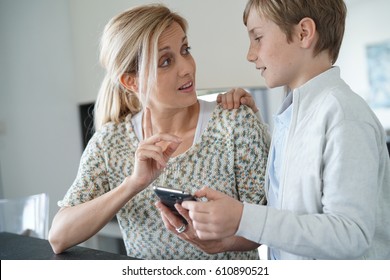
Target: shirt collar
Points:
(284, 116)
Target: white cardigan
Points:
(334, 194)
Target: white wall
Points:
(40, 136)
(367, 22)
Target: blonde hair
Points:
(129, 44)
(328, 15)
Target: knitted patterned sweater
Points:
(230, 157)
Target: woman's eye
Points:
(186, 50)
(165, 62)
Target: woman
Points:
(176, 141)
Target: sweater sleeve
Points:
(91, 180)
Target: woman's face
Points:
(175, 87)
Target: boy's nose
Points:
(251, 56)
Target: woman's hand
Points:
(235, 97)
(151, 158)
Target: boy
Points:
(328, 186)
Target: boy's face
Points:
(279, 62)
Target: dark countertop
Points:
(18, 247)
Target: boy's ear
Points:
(129, 81)
(307, 32)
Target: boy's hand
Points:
(235, 97)
(217, 218)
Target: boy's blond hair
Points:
(328, 15)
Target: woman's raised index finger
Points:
(147, 123)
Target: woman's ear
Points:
(307, 32)
(129, 81)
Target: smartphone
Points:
(169, 197)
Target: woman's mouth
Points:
(186, 86)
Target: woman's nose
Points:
(187, 66)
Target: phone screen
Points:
(169, 197)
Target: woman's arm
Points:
(75, 224)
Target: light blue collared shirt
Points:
(282, 123)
